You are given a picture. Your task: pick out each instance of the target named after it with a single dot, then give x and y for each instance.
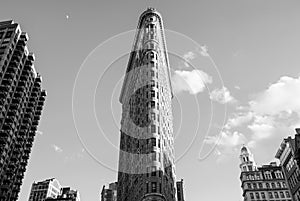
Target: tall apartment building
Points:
(180, 192)
(110, 193)
(146, 158)
(286, 155)
(262, 183)
(49, 188)
(21, 103)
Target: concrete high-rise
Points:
(49, 188)
(265, 183)
(146, 158)
(21, 103)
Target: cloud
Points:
(57, 148)
(191, 81)
(262, 127)
(282, 96)
(226, 139)
(188, 57)
(238, 120)
(203, 50)
(222, 96)
(237, 87)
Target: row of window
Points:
(293, 179)
(266, 185)
(271, 195)
(268, 175)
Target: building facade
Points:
(110, 193)
(66, 194)
(21, 103)
(265, 183)
(49, 188)
(286, 155)
(180, 192)
(146, 158)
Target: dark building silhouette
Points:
(21, 104)
(287, 154)
(110, 193)
(146, 158)
(180, 192)
(264, 183)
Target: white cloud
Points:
(189, 56)
(237, 87)
(226, 139)
(203, 50)
(192, 81)
(57, 148)
(282, 96)
(262, 127)
(222, 96)
(239, 119)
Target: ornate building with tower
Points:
(262, 183)
(146, 158)
(21, 103)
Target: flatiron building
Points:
(21, 103)
(146, 158)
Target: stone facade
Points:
(146, 160)
(265, 183)
(286, 155)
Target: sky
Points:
(235, 75)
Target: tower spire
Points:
(247, 160)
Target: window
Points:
(267, 185)
(158, 143)
(153, 142)
(153, 116)
(249, 186)
(260, 185)
(257, 196)
(153, 171)
(254, 186)
(152, 94)
(283, 184)
(263, 195)
(273, 185)
(276, 195)
(152, 73)
(287, 194)
(270, 195)
(281, 195)
(278, 185)
(8, 34)
(152, 104)
(153, 128)
(152, 64)
(251, 196)
(153, 187)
